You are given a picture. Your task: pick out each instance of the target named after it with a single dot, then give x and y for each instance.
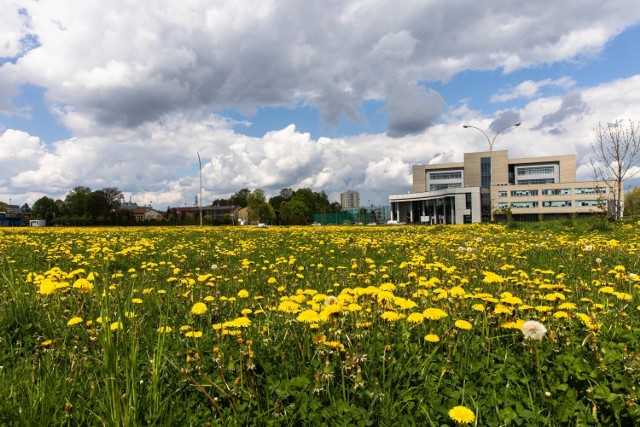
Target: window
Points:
(445, 175)
(436, 187)
(539, 170)
(502, 194)
(502, 205)
(556, 192)
(592, 190)
(588, 203)
(556, 204)
(467, 200)
(522, 205)
(521, 193)
(536, 181)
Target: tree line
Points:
(82, 205)
(289, 207)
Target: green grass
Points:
(359, 362)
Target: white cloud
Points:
(135, 83)
(157, 162)
(530, 89)
(127, 63)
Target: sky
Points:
(272, 94)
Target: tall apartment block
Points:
(350, 199)
(471, 191)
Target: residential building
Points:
(350, 199)
(146, 214)
(526, 188)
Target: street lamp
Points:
(200, 198)
(491, 142)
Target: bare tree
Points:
(615, 152)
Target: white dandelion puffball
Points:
(533, 330)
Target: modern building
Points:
(350, 199)
(526, 188)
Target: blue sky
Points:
(282, 94)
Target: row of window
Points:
(536, 181)
(550, 204)
(553, 192)
(435, 187)
(539, 170)
(445, 175)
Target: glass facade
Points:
(485, 172)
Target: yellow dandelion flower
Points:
(490, 277)
(431, 338)
(198, 308)
(165, 329)
(502, 309)
(567, 306)
(47, 287)
(434, 313)
(461, 415)
(415, 318)
(242, 322)
(46, 343)
(115, 326)
(246, 311)
(560, 315)
(83, 285)
(463, 324)
(243, 293)
(391, 316)
(289, 307)
(136, 301)
(74, 321)
(309, 316)
(193, 334)
(477, 307)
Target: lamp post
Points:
(200, 198)
(491, 141)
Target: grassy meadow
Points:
(401, 325)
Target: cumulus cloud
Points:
(412, 109)
(529, 89)
(136, 84)
(572, 106)
(125, 64)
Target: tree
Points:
(45, 208)
(615, 152)
(113, 197)
(75, 201)
(96, 204)
(241, 198)
(294, 212)
(632, 202)
(258, 210)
